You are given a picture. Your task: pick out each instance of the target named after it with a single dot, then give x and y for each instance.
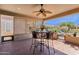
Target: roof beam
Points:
(76, 10)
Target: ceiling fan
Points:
(42, 11)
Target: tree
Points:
(70, 25)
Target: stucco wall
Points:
(21, 29)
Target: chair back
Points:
(34, 34)
(48, 35)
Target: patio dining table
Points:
(42, 35)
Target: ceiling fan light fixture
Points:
(42, 11)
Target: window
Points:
(6, 27)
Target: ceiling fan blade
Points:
(44, 14)
(38, 14)
(49, 12)
(36, 11)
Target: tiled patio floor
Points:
(21, 47)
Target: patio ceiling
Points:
(57, 10)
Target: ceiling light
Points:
(18, 8)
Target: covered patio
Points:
(17, 21)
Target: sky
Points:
(69, 18)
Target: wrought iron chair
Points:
(44, 35)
